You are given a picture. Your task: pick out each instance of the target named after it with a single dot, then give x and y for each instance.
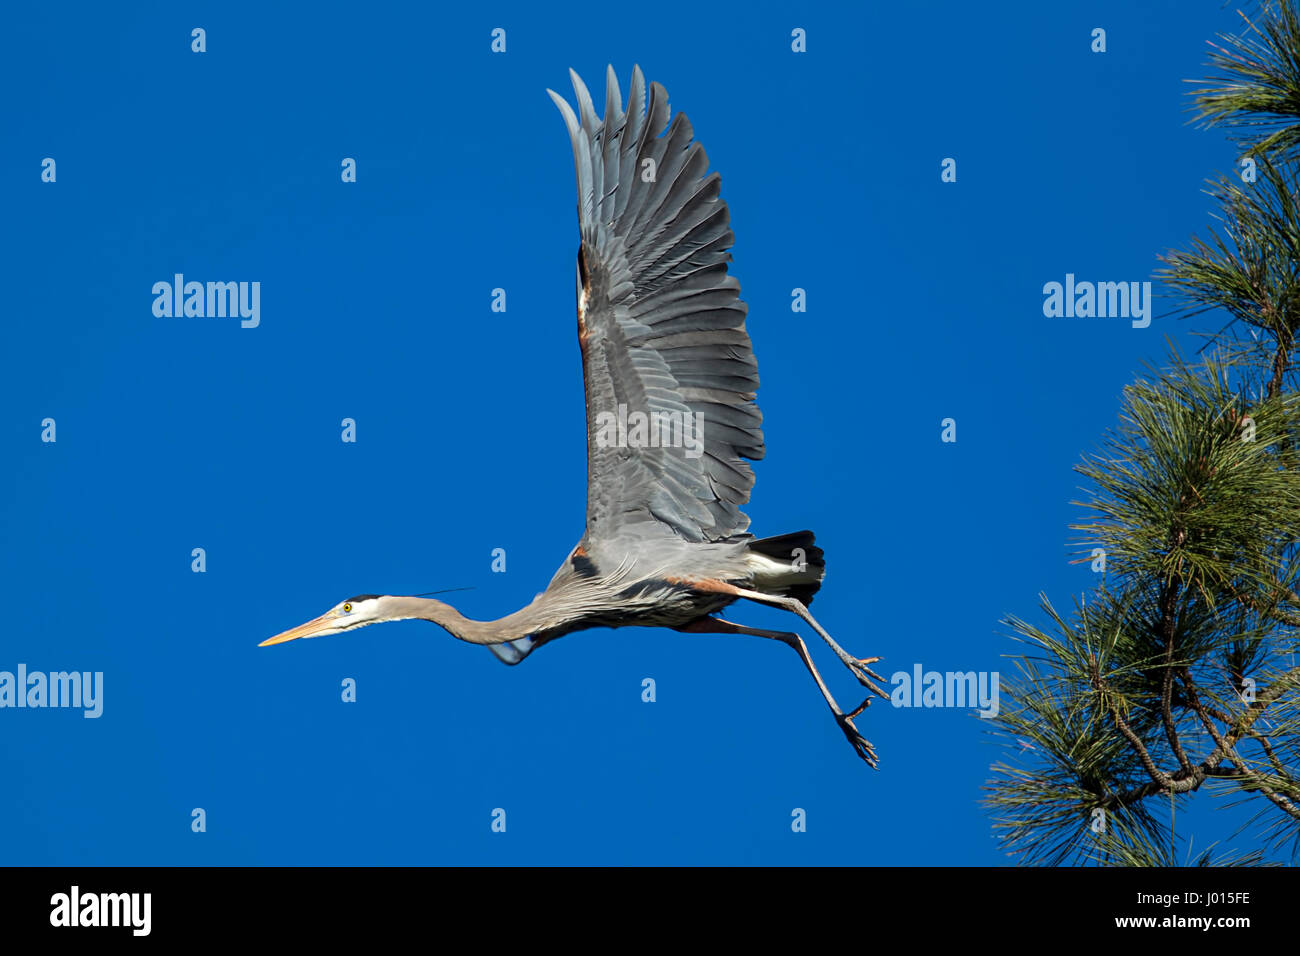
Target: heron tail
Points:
(789, 564)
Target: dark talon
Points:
(860, 744)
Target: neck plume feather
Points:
(509, 628)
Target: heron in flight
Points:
(661, 330)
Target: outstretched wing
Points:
(661, 326)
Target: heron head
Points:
(353, 613)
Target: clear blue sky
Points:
(924, 302)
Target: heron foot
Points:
(864, 674)
(861, 745)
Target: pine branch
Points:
(1258, 88)
(1184, 781)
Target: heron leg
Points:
(857, 665)
(716, 625)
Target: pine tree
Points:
(1177, 676)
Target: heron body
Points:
(661, 585)
(661, 331)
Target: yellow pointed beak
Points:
(310, 629)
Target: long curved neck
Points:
(521, 623)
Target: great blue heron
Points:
(661, 329)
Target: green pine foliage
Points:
(1257, 90)
(1177, 678)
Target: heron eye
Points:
(347, 609)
